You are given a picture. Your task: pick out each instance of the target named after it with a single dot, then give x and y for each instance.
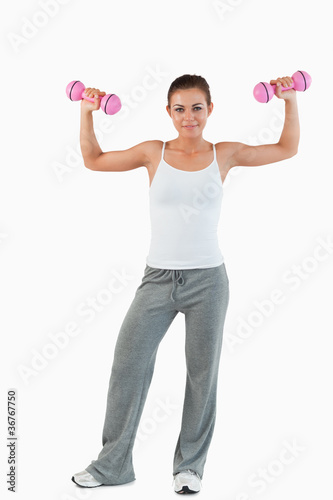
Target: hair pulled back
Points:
(186, 82)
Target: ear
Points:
(168, 110)
(210, 108)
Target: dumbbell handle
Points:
(282, 87)
(91, 99)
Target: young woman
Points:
(185, 272)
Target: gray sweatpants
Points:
(202, 295)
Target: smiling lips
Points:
(189, 126)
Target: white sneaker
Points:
(187, 481)
(85, 479)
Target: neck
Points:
(190, 144)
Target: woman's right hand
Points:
(92, 106)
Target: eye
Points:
(196, 108)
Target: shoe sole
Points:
(186, 490)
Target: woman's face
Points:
(189, 111)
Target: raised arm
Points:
(252, 156)
(113, 161)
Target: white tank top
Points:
(184, 213)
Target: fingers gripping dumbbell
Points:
(263, 91)
(110, 103)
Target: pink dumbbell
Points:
(110, 103)
(263, 91)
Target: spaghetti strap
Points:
(214, 152)
(162, 158)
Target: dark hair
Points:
(190, 82)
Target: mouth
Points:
(190, 126)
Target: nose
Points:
(188, 115)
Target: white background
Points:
(65, 231)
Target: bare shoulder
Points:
(151, 151)
(224, 155)
(226, 148)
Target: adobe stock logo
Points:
(86, 311)
(202, 197)
(225, 7)
(149, 425)
(265, 476)
(295, 277)
(31, 27)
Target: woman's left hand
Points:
(285, 81)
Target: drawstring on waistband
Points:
(176, 278)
